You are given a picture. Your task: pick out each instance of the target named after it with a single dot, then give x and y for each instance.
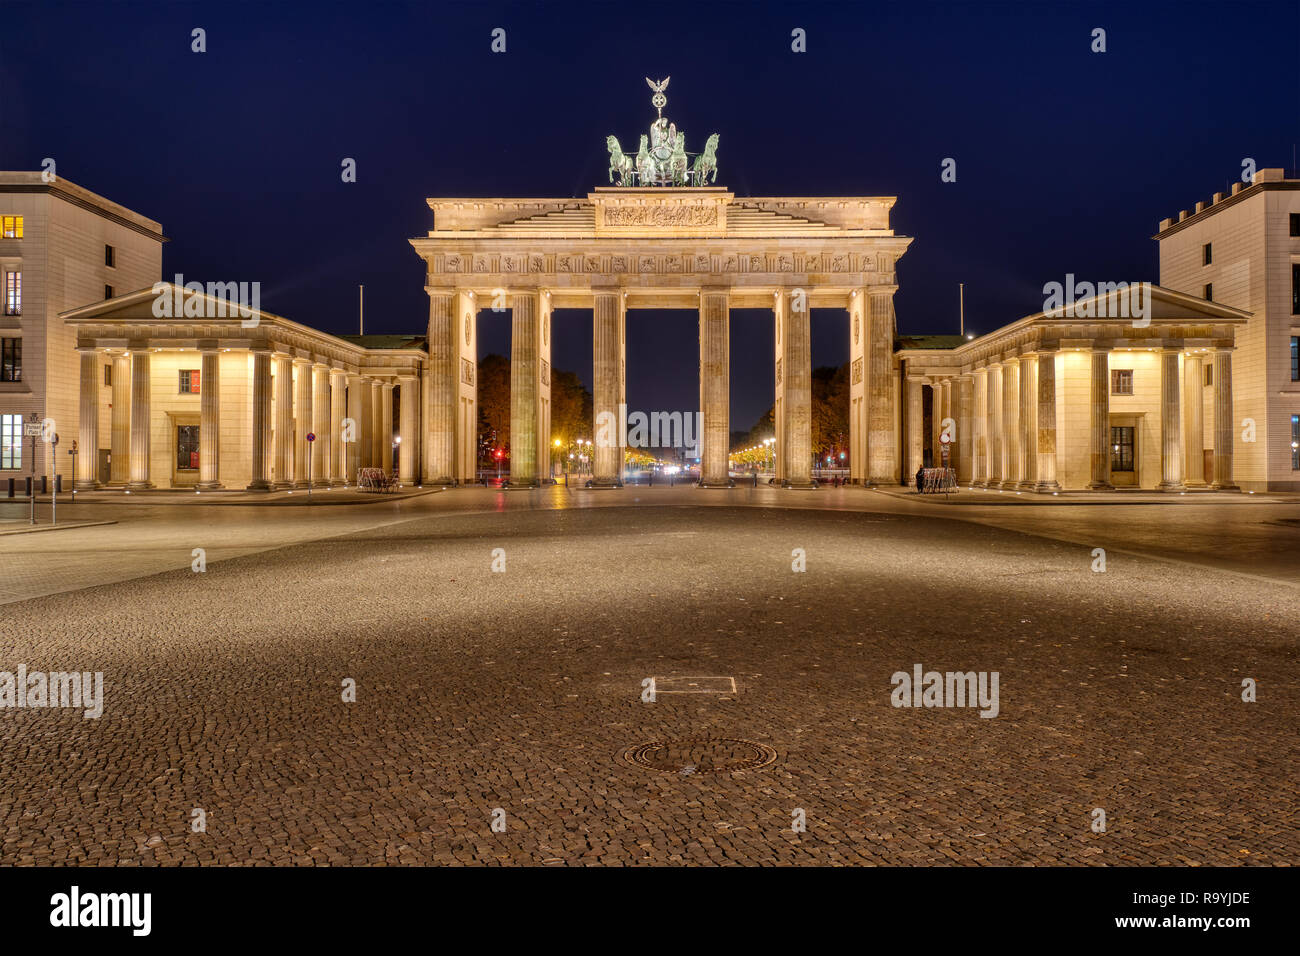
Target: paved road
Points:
(521, 690)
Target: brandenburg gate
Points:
(662, 235)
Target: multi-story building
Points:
(1242, 249)
(61, 247)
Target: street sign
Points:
(311, 436)
(945, 438)
(31, 429)
(55, 439)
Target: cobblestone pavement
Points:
(521, 691)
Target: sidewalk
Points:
(984, 497)
(233, 496)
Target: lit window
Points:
(11, 227)
(1295, 358)
(13, 293)
(11, 441)
(11, 360)
(189, 381)
(1295, 442)
(1121, 381)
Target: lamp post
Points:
(397, 454)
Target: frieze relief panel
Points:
(661, 215)
(762, 263)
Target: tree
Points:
(830, 413)
(493, 402)
(571, 407)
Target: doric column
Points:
(210, 420)
(386, 426)
(881, 444)
(980, 428)
(302, 419)
(936, 419)
(440, 417)
(715, 388)
(1011, 423)
(409, 429)
(140, 396)
(321, 408)
(119, 454)
(1194, 420)
(1027, 446)
(465, 443)
(366, 425)
(525, 389)
(283, 381)
(948, 411)
(1223, 429)
(1171, 446)
(261, 458)
(352, 433)
(915, 424)
(794, 361)
(337, 449)
(606, 343)
(1046, 423)
(995, 426)
(1099, 421)
(858, 333)
(965, 416)
(88, 423)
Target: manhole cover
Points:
(716, 755)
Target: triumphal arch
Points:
(662, 234)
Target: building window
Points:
(11, 441)
(1209, 292)
(1295, 358)
(11, 360)
(1121, 448)
(187, 447)
(11, 227)
(13, 293)
(1209, 375)
(1121, 381)
(109, 256)
(1207, 256)
(108, 292)
(189, 381)
(108, 376)
(1295, 288)
(1295, 442)
(1295, 223)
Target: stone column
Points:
(352, 433)
(320, 426)
(936, 417)
(210, 420)
(336, 455)
(366, 425)
(715, 388)
(283, 382)
(1194, 420)
(980, 427)
(606, 340)
(261, 459)
(302, 419)
(948, 411)
(1223, 425)
(882, 463)
(140, 396)
(1099, 421)
(119, 466)
(1046, 424)
(1011, 424)
(965, 416)
(525, 388)
(795, 357)
(409, 429)
(1027, 447)
(1171, 447)
(386, 426)
(380, 437)
(858, 334)
(995, 426)
(915, 424)
(86, 478)
(440, 416)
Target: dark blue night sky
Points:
(1066, 159)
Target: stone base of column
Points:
(716, 484)
(282, 486)
(1170, 486)
(800, 485)
(890, 480)
(1218, 487)
(448, 481)
(603, 483)
(1100, 486)
(1008, 485)
(1026, 485)
(1195, 485)
(86, 484)
(521, 484)
(209, 486)
(1046, 487)
(139, 485)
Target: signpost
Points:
(32, 430)
(54, 489)
(311, 437)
